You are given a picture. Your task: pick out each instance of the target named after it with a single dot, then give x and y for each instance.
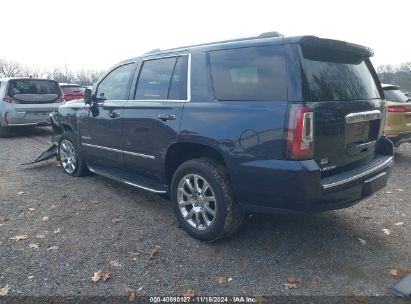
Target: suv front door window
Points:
(100, 134)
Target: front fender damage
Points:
(52, 151)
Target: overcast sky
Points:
(98, 34)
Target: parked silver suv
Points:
(27, 102)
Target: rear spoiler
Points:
(310, 42)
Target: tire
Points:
(196, 212)
(71, 162)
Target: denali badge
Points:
(86, 137)
(328, 168)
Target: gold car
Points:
(398, 127)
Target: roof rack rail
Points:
(270, 35)
(153, 51)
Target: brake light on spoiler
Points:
(300, 134)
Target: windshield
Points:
(28, 86)
(395, 95)
(336, 78)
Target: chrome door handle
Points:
(114, 114)
(166, 117)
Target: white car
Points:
(27, 102)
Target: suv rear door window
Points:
(114, 85)
(253, 73)
(335, 76)
(163, 79)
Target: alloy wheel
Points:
(67, 155)
(196, 201)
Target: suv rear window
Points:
(395, 95)
(72, 89)
(336, 76)
(28, 86)
(253, 73)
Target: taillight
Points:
(398, 109)
(300, 135)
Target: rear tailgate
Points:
(340, 85)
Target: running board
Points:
(128, 178)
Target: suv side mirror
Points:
(88, 96)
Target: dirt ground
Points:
(77, 226)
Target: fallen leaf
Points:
(32, 209)
(35, 246)
(290, 285)
(292, 282)
(221, 279)
(52, 248)
(388, 192)
(401, 224)
(362, 241)
(114, 263)
(229, 279)
(131, 293)
(400, 190)
(64, 195)
(19, 237)
(260, 299)
(4, 291)
(358, 297)
(20, 193)
(40, 236)
(153, 251)
(399, 273)
(57, 231)
(386, 231)
(117, 220)
(188, 293)
(45, 218)
(134, 253)
(100, 275)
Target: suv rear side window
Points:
(163, 79)
(114, 86)
(253, 73)
(336, 76)
(395, 95)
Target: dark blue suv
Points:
(261, 124)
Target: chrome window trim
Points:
(362, 116)
(118, 151)
(387, 162)
(188, 79)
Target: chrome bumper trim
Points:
(386, 163)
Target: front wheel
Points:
(203, 201)
(71, 162)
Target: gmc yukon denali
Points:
(260, 124)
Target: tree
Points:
(9, 68)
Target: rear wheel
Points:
(203, 201)
(71, 162)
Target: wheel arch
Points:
(181, 152)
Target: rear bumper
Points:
(301, 188)
(26, 114)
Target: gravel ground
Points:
(93, 221)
